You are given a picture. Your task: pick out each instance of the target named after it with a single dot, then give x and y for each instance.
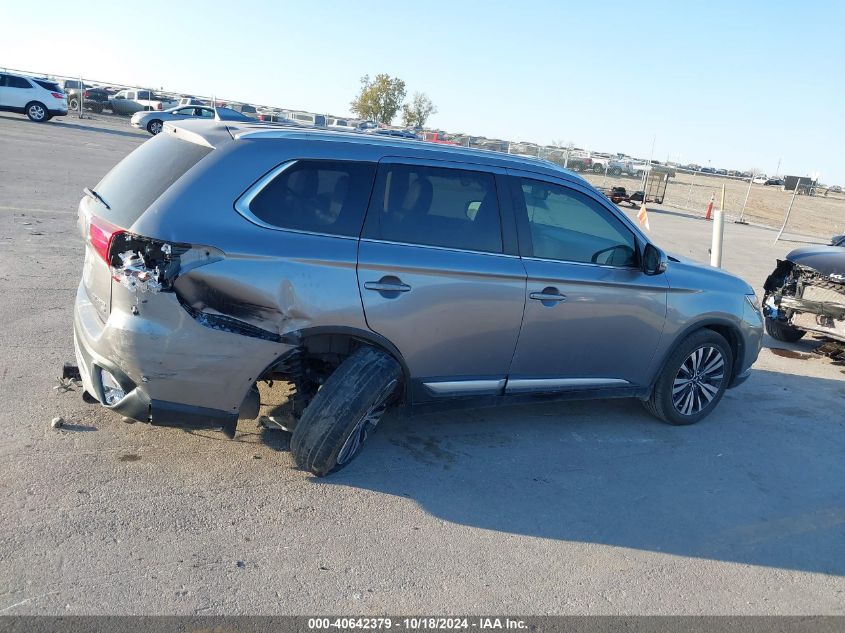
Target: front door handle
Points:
(548, 296)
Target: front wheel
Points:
(73, 104)
(154, 127)
(783, 331)
(598, 169)
(37, 112)
(693, 379)
(345, 411)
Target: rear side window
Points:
(52, 86)
(17, 82)
(139, 179)
(318, 196)
(436, 206)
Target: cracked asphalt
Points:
(585, 507)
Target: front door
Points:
(435, 280)
(593, 319)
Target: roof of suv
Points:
(210, 131)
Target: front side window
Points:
(570, 226)
(318, 196)
(437, 206)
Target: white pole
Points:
(747, 193)
(788, 211)
(718, 236)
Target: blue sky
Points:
(731, 84)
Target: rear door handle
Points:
(548, 296)
(388, 285)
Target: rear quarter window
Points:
(317, 196)
(139, 179)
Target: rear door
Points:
(18, 92)
(440, 278)
(593, 319)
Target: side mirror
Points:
(654, 260)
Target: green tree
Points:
(380, 98)
(416, 113)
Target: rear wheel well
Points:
(318, 354)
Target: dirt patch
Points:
(788, 353)
(129, 457)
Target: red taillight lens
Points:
(85, 94)
(58, 95)
(101, 234)
(158, 107)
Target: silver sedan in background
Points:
(153, 120)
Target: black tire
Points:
(665, 397)
(598, 169)
(154, 126)
(37, 112)
(73, 104)
(324, 439)
(783, 331)
(97, 108)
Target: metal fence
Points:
(813, 210)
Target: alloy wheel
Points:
(698, 380)
(365, 425)
(155, 127)
(37, 112)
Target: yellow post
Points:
(722, 202)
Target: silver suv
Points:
(370, 272)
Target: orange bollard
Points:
(707, 216)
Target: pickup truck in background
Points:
(94, 98)
(132, 101)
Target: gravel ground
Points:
(587, 507)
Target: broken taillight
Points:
(100, 235)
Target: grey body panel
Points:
(609, 325)
(460, 317)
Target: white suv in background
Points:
(39, 99)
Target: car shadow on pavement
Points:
(759, 482)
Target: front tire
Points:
(154, 127)
(693, 379)
(345, 411)
(73, 104)
(598, 169)
(783, 331)
(37, 112)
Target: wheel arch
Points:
(723, 326)
(343, 340)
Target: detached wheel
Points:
(783, 331)
(37, 112)
(345, 411)
(154, 126)
(693, 379)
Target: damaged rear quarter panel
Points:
(277, 281)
